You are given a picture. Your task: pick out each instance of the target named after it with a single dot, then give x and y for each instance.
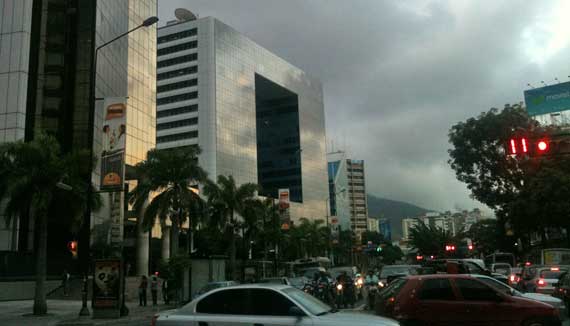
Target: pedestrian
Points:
(65, 277)
(154, 289)
(165, 291)
(142, 291)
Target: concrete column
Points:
(143, 244)
(165, 252)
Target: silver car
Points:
(262, 304)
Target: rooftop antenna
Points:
(529, 85)
(184, 15)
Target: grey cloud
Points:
(398, 74)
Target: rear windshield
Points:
(393, 289)
(551, 274)
(389, 271)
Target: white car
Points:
(262, 304)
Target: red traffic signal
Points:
(72, 247)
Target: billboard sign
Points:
(113, 142)
(107, 284)
(548, 99)
(284, 199)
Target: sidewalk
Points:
(66, 312)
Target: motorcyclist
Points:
(348, 288)
(371, 282)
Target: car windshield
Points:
(399, 270)
(310, 303)
(548, 274)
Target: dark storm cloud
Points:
(398, 74)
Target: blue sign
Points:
(549, 99)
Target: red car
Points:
(459, 299)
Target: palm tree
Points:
(170, 177)
(38, 179)
(430, 239)
(227, 200)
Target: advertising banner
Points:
(107, 283)
(113, 142)
(548, 99)
(284, 204)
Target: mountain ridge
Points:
(394, 211)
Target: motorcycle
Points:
(372, 290)
(345, 295)
(309, 288)
(322, 292)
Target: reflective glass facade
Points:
(229, 70)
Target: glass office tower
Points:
(46, 50)
(255, 116)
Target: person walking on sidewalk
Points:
(165, 291)
(142, 291)
(65, 282)
(154, 289)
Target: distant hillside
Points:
(393, 210)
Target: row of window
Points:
(177, 36)
(177, 124)
(178, 85)
(177, 98)
(178, 48)
(178, 60)
(177, 73)
(177, 111)
(175, 137)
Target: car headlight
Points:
(380, 284)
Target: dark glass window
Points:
(269, 303)
(177, 36)
(177, 111)
(227, 302)
(436, 289)
(178, 48)
(177, 98)
(177, 60)
(472, 290)
(177, 124)
(177, 73)
(278, 139)
(178, 85)
(175, 137)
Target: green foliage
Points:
(168, 178)
(390, 254)
(485, 235)
(225, 201)
(29, 177)
(429, 239)
(529, 194)
(173, 270)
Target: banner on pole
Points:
(113, 142)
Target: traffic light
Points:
(72, 247)
(449, 248)
(539, 146)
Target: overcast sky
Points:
(397, 74)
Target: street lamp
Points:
(91, 130)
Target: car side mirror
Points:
(296, 312)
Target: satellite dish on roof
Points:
(184, 14)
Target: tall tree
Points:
(485, 235)
(521, 191)
(226, 200)
(429, 239)
(168, 182)
(38, 179)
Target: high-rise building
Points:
(254, 115)
(373, 225)
(385, 228)
(46, 53)
(339, 203)
(357, 195)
